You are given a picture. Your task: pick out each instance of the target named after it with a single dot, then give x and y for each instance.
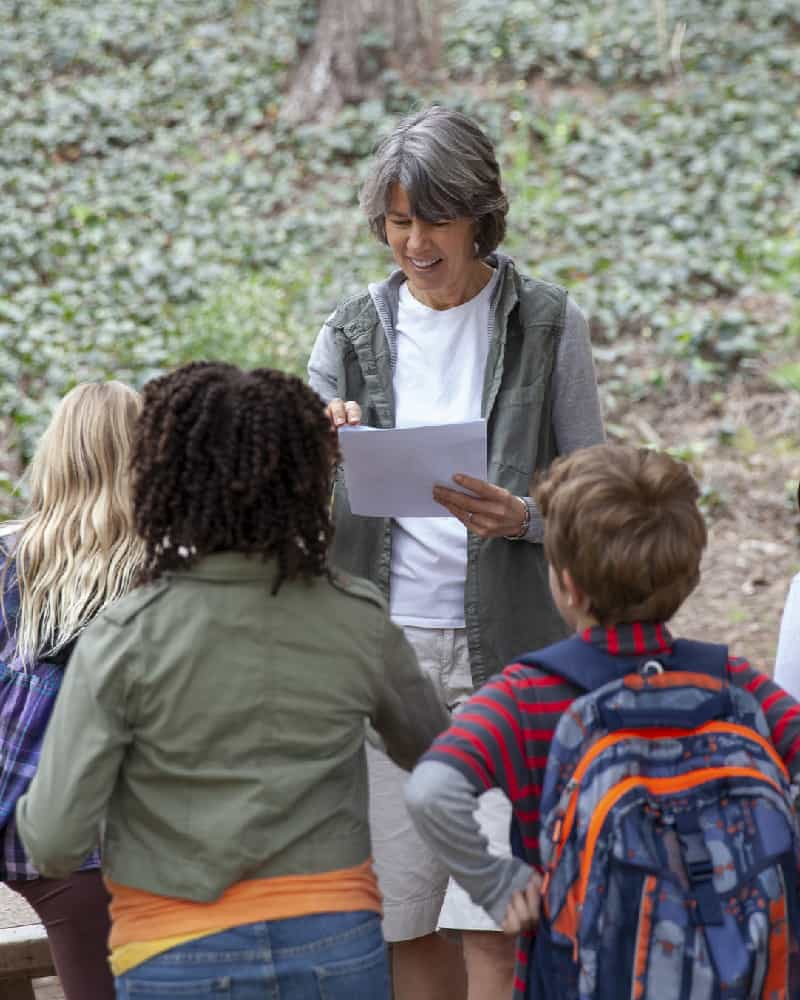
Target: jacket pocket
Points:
(515, 422)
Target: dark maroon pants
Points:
(74, 912)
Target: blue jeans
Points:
(326, 956)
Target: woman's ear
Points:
(476, 243)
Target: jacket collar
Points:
(385, 296)
(228, 567)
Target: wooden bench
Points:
(24, 955)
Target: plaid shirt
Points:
(27, 697)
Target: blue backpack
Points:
(669, 836)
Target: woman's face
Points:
(438, 258)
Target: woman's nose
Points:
(417, 236)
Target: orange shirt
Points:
(144, 924)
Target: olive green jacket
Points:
(218, 731)
(507, 605)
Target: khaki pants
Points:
(418, 897)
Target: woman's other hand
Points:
(341, 413)
(522, 912)
(490, 511)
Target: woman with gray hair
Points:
(456, 333)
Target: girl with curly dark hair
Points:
(215, 717)
(233, 460)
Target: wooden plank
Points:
(48, 989)
(24, 951)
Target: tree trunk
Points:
(356, 40)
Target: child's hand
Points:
(522, 912)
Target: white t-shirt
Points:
(787, 659)
(438, 379)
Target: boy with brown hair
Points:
(666, 725)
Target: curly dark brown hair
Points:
(225, 459)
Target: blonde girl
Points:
(74, 552)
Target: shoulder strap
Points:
(700, 657)
(577, 662)
(590, 668)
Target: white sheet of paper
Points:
(392, 472)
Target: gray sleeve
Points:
(323, 363)
(442, 805)
(577, 420)
(409, 715)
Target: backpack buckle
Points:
(651, 668)
(696, 857)
(699, 870)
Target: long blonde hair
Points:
(77, 549)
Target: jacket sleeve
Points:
(323, 363)
(60, 815)
(782, 712)
(409, 714)
(577, 418)
(484, 742)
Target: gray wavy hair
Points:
(449, 170)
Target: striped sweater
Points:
(502, 736)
